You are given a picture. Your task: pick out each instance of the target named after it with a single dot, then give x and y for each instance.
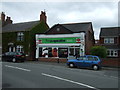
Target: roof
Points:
(77, 27)
(110, 31)
(19, 26)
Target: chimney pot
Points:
(43, 17)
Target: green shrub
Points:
(99, 51)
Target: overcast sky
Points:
(101, 14)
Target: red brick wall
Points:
(115, 40)
(113, 62)
(61, 60)
(101, 40)
(89, 41)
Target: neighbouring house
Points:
(63, 40)
(20, 37)
(110, 38)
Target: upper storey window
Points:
(108, 40)
(20, 36)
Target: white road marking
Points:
(111, 76)
(85, 85)
(114, 77)
(18, 68)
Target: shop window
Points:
(54, 52)
(20, 36)
(50, 52)
(40, 52)
(44, 52)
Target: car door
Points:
(88, 62)
(11, 55)
(5, 56)
(80, 62)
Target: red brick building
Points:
(110, 38)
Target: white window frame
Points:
(19, 48)
(108, 40)
(20, 36)
(115, 53)
(105, 40)
(112, 40)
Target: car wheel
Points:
(95, 67)
(71, 65)
(14, 60)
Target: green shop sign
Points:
(59, 40)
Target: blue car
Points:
(87, 61)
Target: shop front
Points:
(60, 45)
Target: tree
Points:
(100, 51)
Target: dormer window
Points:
(20, 36)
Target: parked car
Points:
(13, 56)
(87, 61)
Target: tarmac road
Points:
(53, 75)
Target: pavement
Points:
(64, 64)
(36, 74)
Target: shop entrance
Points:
(74, 51)
(63, 52)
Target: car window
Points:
(90, 58)
(7, 53)
(82, 58)
(95, 58)
(12, 53)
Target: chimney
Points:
(43, 17)
(8, 20)
(3, 18)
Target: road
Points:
(51, 75)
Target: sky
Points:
(101, 14)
